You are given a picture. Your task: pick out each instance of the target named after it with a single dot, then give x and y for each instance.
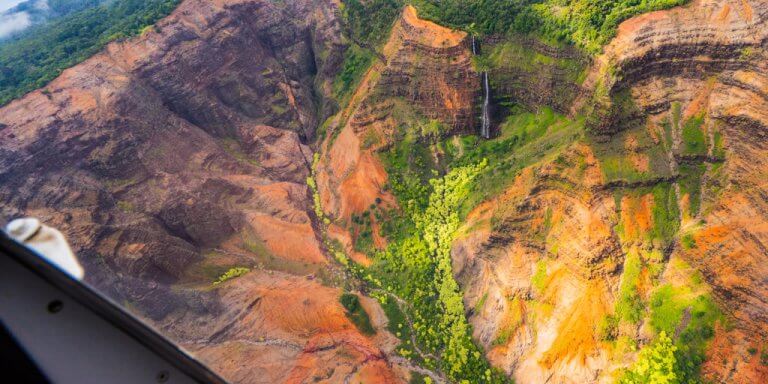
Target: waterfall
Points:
(485, 128)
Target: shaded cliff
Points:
(173, 157)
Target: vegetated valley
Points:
(389, 191)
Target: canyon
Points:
(615, 198)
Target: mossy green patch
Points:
(356, 313)
(690, 185)
(231, 274)
(357, 60)
(629, 305)
(539, 278)
(631, 156)
(666, 213)
(686, 311)
(694, 139)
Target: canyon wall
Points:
(174, 157)
(170, 158)
(676, 123)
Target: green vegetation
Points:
(665, 213)
(526, 139)
(718, 150)
(539, 278)
(417, 267)
(43, 52)
(586, 23)
(126, 206)
(513, 56)
(621, 164)
(656, 364)
(231, 274)
(356, 62)
(694, 140)
(690, 184)
(418, 378)
(629, 306)
(369, 21)
(691, 316)
(683, 316)
(356, 313)
(688, 241)
(431, 176)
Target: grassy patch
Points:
(356, 61)
(629, 306)
(666, 213)
(356, 313)
(513, 319)
(690, 184)
(526, 139)
(631, 156)
(231, 274)
(539, 279)
(686, 312)
(694, 139)
(126, 206)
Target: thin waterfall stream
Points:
(485, 125)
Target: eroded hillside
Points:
(229, 174)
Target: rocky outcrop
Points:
(428, 75)
(532, 74)
(676, 104)
(169, 158)
(708, 59)
(539, 269)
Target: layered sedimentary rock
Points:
(170, 158)
(428, 75)
(677, 105)
(530, 73)
(709, 58)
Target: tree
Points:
(656, 364)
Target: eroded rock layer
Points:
(174, 157)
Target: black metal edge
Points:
(109, 311)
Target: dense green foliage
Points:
(356, 61)
(37, 57)
(656, 364)
(417, 267)
(678, 310)
(231, 274)
(588, 24)
(369, 21)
(356, 313)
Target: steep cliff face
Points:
(427, 76)
(668, 175)
(708, 82)
(170, 158)
(184, 155)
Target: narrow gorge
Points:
(385, 191)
